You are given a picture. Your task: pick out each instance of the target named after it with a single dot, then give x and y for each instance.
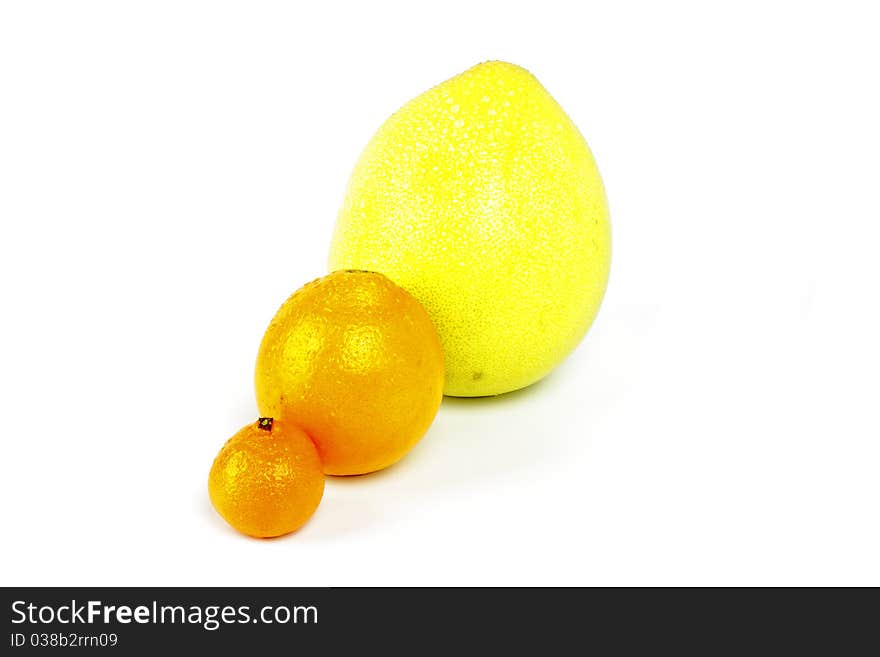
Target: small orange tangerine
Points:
(267, 479)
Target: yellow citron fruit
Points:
(267, 479)
(355, 361)
(481, 198)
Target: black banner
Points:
(133, 620)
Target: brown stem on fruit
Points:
(265, 423)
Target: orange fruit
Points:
(267, 479)
(356, 362)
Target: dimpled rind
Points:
(481, 198)
(267, 482)
(354, 360)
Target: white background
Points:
(171, 171)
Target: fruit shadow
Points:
(472, 440)
(351, 514)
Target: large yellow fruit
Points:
(481, 198)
